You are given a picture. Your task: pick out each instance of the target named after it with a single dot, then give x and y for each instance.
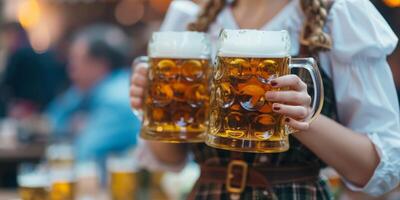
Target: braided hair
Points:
(312, 35)
(208, 15)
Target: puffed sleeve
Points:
(180, 14)
(364, 86)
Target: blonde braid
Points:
(312, 35)
(208, 15)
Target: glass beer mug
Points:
(33, 182)
(176, 97)
(241, 119)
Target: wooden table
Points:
(23, 152)
(10, 158)
(13, 195)
(9, 195)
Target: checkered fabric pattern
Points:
(297, 155)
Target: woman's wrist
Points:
(300, 134)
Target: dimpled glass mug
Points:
(176, 97)
(241, 119)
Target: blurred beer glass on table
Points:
(176, 98)
(60, 160)
(88, 181)
(63, 185)
(33, 182)
(60, 154)
(123, 177)
(334, 181)
(241, 119)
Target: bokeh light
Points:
(38, 22)
(160, 6)
(392, 3)
(128, 12)
(29, 13)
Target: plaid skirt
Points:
(297, 155)
(296, 191)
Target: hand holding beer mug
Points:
(241, 117)
(176, 96)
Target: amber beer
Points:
(241, 119)
(33, 187)
(60, 155)
(63, 190)
(177, 95)
(63, 186)
(123, 184)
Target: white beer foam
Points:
(253, 43)
(125, 167)
(179, 45)
(62, 175)
(118, 164)
(33, 180)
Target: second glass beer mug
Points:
(177, 94)
(241, 119)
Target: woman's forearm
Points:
(168, 153)
(352, 154)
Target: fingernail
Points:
(287, 120)
(274, 83)
(276, 108)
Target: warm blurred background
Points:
(45, 48)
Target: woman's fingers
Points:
(136, 91)
(294, 103)
(136, 102)
(139, 74)
(295, 112)
(138, 82)
(298, 125)
(289, 96)
(141, 68)
(136, 94)
(291, 81)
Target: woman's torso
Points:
(357, 54)
(298, 154)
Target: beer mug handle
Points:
(311, 66)
(136, 61)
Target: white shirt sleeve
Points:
(364, 87)
(180, 13)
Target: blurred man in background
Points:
(95, 110)
(24, 85)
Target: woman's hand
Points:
(138, 83)
(293, 103)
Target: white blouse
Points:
(363, 83)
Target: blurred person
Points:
(94, 112)
(24, 85)
(358, 131)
